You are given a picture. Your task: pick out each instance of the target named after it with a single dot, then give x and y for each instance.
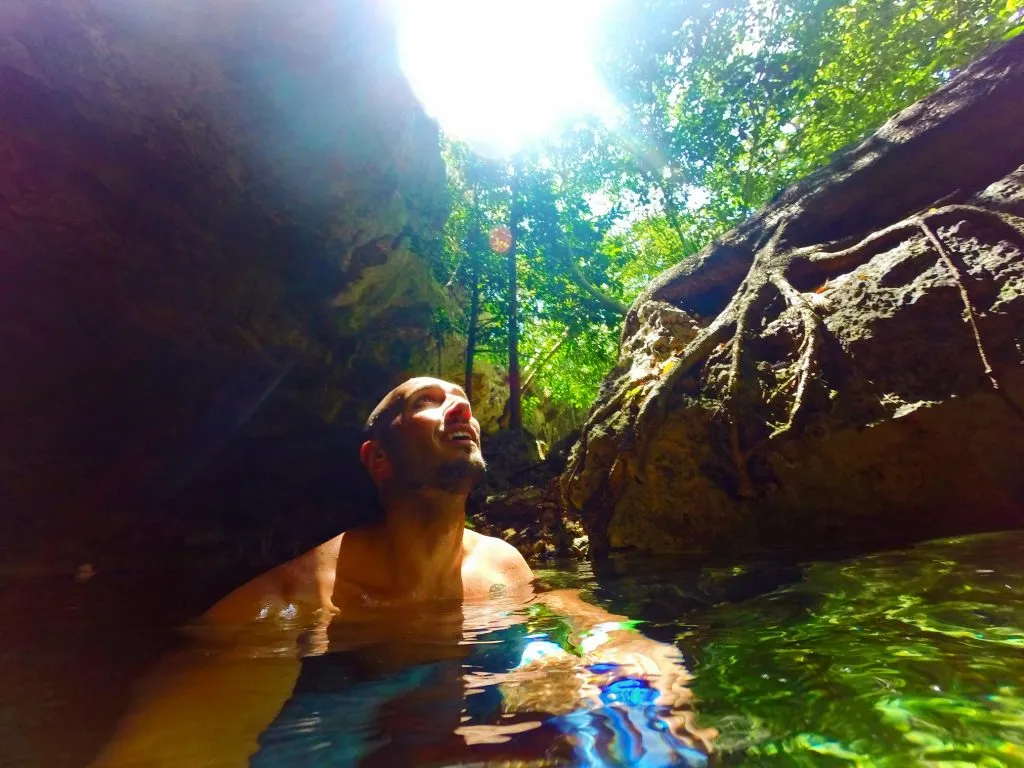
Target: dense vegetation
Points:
(721, 104)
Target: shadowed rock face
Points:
(215, 220)
(848, 365)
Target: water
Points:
(906, 658)
(913, 657)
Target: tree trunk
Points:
(473, 246)
(536, 368)
(515, 415)
(474, 321)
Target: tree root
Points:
(812, 260)
(964, 297)
(652, 408)
(735, 317)
(926, 222)
(809, 346)
(774, 270)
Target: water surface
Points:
(911, 657)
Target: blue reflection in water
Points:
(344, 714)
(537, 650)
(630, 729)
(629, 691)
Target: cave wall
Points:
(216, 222)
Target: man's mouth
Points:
(462, 435)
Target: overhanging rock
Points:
(846, 365)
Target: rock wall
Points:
(848, 365)
(217, 219)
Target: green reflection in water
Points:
(896, 659)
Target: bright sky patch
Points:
(499, 74)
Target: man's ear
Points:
(375, 460)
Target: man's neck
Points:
(419, 545)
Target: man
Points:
(401, 586)
(422, 450)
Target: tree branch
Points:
(595, 293)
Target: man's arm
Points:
(207, 703)
(201, 707)
(612, 650)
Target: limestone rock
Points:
(846, 365)
(215, 217)
(533, 519)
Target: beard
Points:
(413, 473)
(458, 476)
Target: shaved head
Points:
(425, 430)
(383, 416)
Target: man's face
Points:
(434, 441)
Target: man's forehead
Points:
(408, 387)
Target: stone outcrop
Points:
(216, 224)
(846, 365)
(520, 500)
(533, 520)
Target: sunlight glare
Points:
(499, 74)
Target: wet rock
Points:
(848, 365)
(520, 500)
(511, 455)
(534, 520)
(217, 218)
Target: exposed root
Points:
(809, 346)
(816, 261)
(744, 487)
(735, 316)
(598, 416)
(736, 351)
(775, 269)
(755, 285)
(964, 296)
(652, 409)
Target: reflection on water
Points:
(487, 684)
(904, 658)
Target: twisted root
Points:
(773, 269)
(964, 297)
(809, 346)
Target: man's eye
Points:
(424, 401)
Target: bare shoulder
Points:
(492, 549)
(302, 580)
(499, 556)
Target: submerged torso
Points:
(340, 577)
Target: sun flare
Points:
(499, 74)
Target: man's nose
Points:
(459, 411)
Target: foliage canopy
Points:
(721, 105)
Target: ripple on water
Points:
(903, 658)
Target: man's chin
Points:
(477, 470)
(476, 458)
(460, 475)
(474, 468)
